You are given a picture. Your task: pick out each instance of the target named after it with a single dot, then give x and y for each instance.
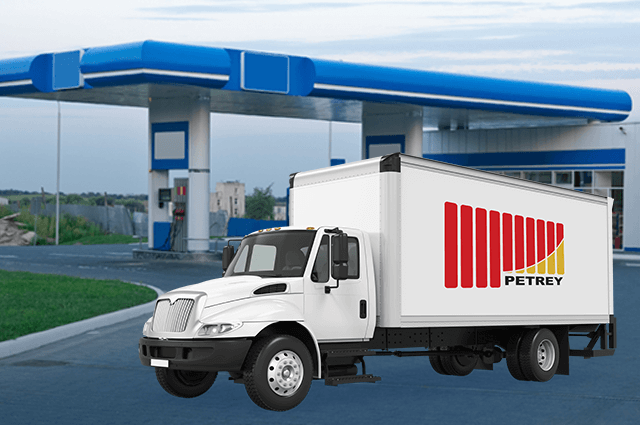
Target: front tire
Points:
(278, 372)
(185, 383)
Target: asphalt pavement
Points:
(96, 377)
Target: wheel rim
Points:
(546, 355)
(285, 373)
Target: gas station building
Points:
(561, 135)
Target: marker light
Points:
(217, 329)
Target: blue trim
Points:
(170, 164)
(465, 86)
(337, 161)
(596, 157)
(384, 140)
(380, 84)
(161, 235)
(156, 55)
(565, 168)
(626, 248)
(264, 72)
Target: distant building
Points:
(229, 196)
(280, 211)
(4, 201)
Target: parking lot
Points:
(96, 377)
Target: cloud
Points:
(515, 68)
(410, 56)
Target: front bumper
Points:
(214, 355)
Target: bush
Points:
(71, 228)
(5, 211)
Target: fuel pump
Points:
(179, 224)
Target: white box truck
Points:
(395, 256)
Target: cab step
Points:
(350, 379)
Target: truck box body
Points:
(455, 247)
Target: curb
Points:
(626, 257)
(29, 342)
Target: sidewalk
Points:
(626, 256)
(39, 339)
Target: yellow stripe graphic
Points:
(551, 263)
(560, 252)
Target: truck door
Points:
(341, 314)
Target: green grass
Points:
(36, 302)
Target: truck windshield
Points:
(273, 254)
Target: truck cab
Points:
(288, 288)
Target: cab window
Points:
(320, 271)
(354, 259)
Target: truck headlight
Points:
(218, 329)
(147, 327)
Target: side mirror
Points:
(340, 256)
(227, 256)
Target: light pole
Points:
(58, 184)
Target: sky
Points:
(580, 42)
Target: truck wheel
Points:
(185, 383)
(539, 354)
(278, 372)
(436, 364)
(458, 365)
(513, 357)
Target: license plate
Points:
(159, 363)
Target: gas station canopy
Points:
(257, 83)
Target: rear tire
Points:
(539, 355)
(458, 365)
(436, 364)
(513, 357)
(185, 383)
(278, 372)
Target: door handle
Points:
(363, 309)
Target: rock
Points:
(11, 234)
(28, 237)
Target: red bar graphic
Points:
(519, 242)
(450, 245)
(542, 252)
(466, 246)
(551, 237)
(494, 243)
(507, 243)
(531, 242)
(481, 248)
(560, 229)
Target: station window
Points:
(582, 178)
(512, 174)
(538, 176)
(617, 179)
(563, 177)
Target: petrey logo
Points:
(481, 247)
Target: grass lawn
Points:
(32, 302)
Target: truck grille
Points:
(172, 317)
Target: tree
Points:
(260, 205)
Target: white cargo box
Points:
(454, 246)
